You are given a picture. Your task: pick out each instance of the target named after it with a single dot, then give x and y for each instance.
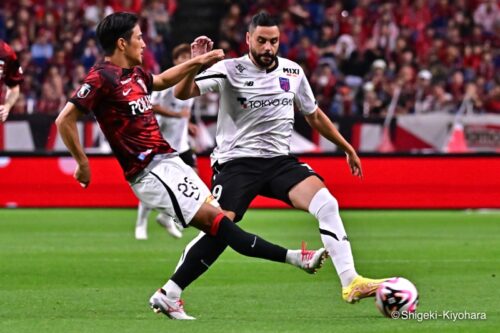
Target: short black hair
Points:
(262, 19)
(113, 27)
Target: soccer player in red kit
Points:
(11, 75)
(118, 92)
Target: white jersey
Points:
(256, 107)
(174, 130)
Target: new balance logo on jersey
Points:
(140, 105)
(291, 71)
(249, 83)
(246, 104)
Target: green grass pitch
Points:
(71, 270)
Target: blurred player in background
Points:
(118, 92)
(173, 116)
(252, 157)
(11, 74)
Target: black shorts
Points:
(189, 158)
(236, 183)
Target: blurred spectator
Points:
(96, 11)
(473, 98)
(385, 32)
(90, 54)
(493, 100)
(77, 76)
(323, 84)
(405, 81)
(456, 86)
(440, 100)
(486, 15)
(345, 47)
(343, 102)
(306, 54)
(372, 103)
(42, 49)
(423, 92)
(52, 98)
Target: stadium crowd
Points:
(425, 55)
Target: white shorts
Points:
(173, 188)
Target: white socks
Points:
(325, 208)
(142, 215)
(173, 290)
(293, 257)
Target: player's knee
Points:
(323, 203)
(205, 217)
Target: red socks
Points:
(215, 224)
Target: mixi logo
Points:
(291, 71)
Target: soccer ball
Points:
(396, 296)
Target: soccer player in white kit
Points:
(173, 116)
(256, 114)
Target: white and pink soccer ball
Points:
(396, 296)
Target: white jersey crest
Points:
(256, 107)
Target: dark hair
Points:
(113, 27)
(181, 49)
(262, 19)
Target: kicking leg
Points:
(312, 195)
(214, 223)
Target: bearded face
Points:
(263, 43)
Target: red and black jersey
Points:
(120, 101)
(11, 73)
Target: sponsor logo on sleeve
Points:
(84, 90)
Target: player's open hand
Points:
(201, 45)
(355, 165)
(82, 174)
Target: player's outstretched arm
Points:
(10, 99)
(173, 75)
(66, 125)
(320, 122)
(165, 112)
